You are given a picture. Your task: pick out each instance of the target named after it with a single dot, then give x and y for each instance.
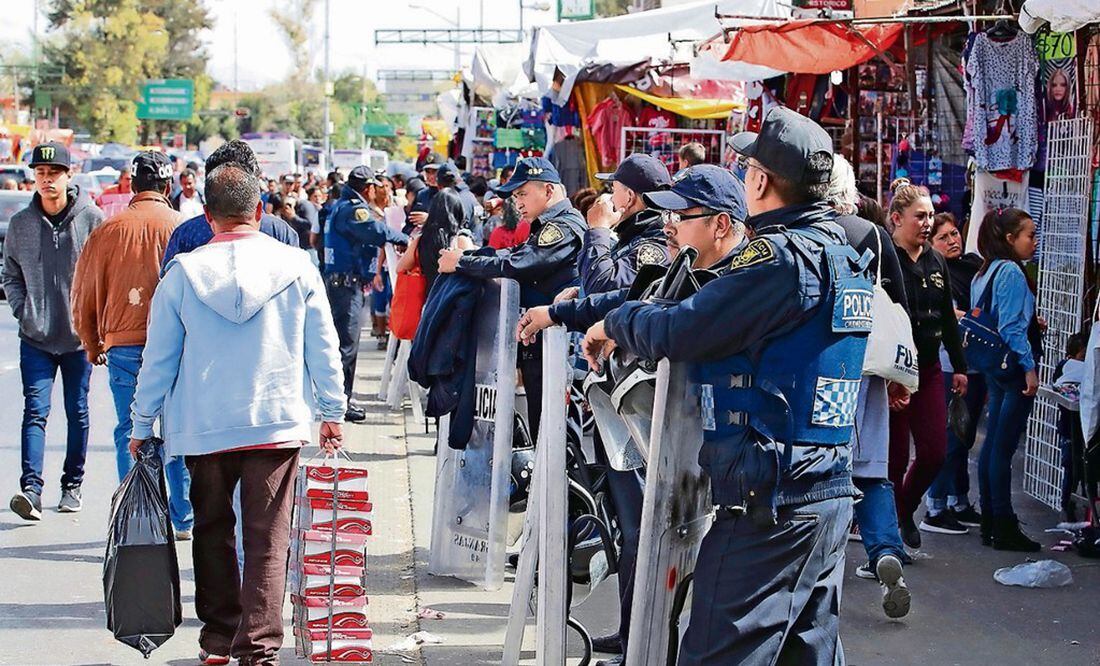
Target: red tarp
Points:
(810, 46)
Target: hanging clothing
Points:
(991, 193)
(606, 123)
(1002, 104)
(567, 156)
(657, 119)
(561, 116)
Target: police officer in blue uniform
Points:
(776, 345)
(543, 265)
(422, 203)
(352, 240)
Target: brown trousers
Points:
(242, 618)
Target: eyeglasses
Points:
(744, 164)
(671, 218)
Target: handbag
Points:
(409, 295)
(891, 353)
(983, 346)
(1090, 381)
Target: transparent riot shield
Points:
(470, 518)
(676, 513)
(392, 342)
(544, 527)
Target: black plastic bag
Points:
(141, 578)
(958, 416)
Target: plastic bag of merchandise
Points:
(141, 579)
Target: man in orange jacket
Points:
(116, 275)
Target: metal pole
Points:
(328, 97)
(236, 58)
(458, 47)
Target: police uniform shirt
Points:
(606, 264)
(544, 264)
(354, 234)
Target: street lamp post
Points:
(457, 23)
(328, 92)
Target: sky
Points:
(261, 54)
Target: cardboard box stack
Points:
(328, 575)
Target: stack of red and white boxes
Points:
(328, 565)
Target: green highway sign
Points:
(166, 99)
(378, 130)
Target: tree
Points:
(107, 49)
(293, 18)
(606, 8)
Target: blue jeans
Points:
(38, 370)
(877, 518)
(123, 364)
(952, 485)
(1009, 410)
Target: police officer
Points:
(352, 240)
(718, 238)
(423, 201)
(779, 339)
(543, 265)
(607, 263)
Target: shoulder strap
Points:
(985, 301)
(878, 257)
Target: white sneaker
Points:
(895, 594)
(183, 535)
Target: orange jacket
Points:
(118, 271)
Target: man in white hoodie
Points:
(241, 353)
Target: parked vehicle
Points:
(11, 202)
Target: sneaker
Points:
(183, 535)
(895, 595)
(355, 415)
(909, 532)
(207, 659)
(968, 516)
(70, 500)
(864, 572)
(943, 522)
(27, 504)
(1008, 536)
(607, 644)
(853, 534)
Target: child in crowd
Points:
(1067, 378)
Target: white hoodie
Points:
(241, 349)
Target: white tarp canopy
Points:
(496, 72)
(1063, 15)
(661, 35)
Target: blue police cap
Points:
(790, 145)
(641, 173)
(705, 185)
(360, 177)
(527, 170)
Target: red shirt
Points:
(503, 238)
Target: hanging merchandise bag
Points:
(1090, 381)
(891, 353)
(141, 579)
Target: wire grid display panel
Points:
(664, 144)
(1061, 289)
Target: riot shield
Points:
(676, 514)
(544, 538)
(392, 342)
(470, 518)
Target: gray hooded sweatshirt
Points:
(39, 262)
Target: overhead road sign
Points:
(167, 99)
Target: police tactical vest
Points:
(803, 387)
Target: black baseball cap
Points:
(50, 153)
(641, 173)
(151, 165)
(447, 174)
(790, 145)
(706, 185)
(527, 170)
(360, 177)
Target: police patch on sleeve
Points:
(650, 253)
(550, 235)
(757, 252)
(362, 214)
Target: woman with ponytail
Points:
(1006, 240)
(932, 312)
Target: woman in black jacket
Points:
(949, 496)
(932, 313)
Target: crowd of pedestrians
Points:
(228, 315)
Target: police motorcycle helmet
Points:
(523, 466)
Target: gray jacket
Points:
(871, 435)
(39, 262)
